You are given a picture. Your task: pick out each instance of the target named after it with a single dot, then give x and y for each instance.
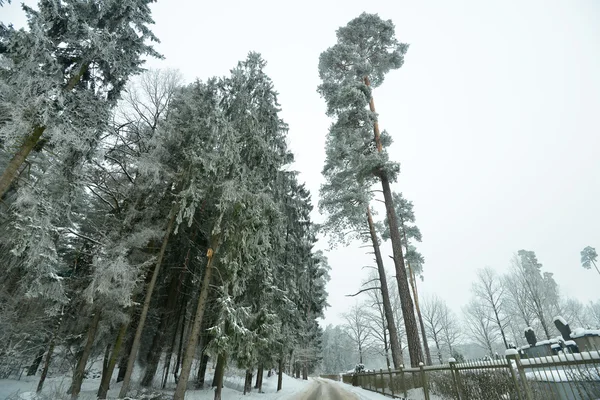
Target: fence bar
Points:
(527, 389)
(391, 381)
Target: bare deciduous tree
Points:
(358, 328)
(488, 289)
(484, 332)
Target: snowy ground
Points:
(362, 394)
(56, 388)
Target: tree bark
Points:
(385, 295)
(219, 374)
(138, 333)
(412, 332)
(280, 374)
(193, 337)
(202, 371)
(85, 354)
(166, 320)
(413, 284)
(49, 353)
(107, 375)
(12, 169)
(248, 381)
(35, 365)
(259, 378)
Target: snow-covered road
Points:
(326, 390)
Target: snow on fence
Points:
(559, 377)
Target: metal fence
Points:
(559, 377)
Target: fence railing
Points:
(558, 377)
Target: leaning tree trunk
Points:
(138, 333)
(158, 341)
(385, 295)
(85, 354)
(35, 365)
(413, 284)
(106, 375)
(219, 374)
(412, 332)
(193, 337)
(12, 169)
(49, 353)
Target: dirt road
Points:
(322, 389)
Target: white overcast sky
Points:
(495, 117)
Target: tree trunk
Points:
(138, 333)
(219, 369)
(166, 318)
(85, 354)
(49, 355)
(36, 362)
(193, 337)
(202, 371)
(385, 295)
(12, 169)
(172, 346)
(259, 378)
(305, 371)
(412, 332)
(413, 284)
(107, 375)
(219, 374)
(500, 327)
(182, 336)
(269, 373)
(248, 381)
(280, 374)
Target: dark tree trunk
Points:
(49, 354)
(248, 381)
(149, 290)
(280, 374)
(413, 284)
(83, 358)
(202, 371)
(195, 331)
(259, 378)
(172, 345)
(110, 367)
(166, 319)
(269, 373)
(408, 312)
(35, 365)
(385, 295)
(219, 373)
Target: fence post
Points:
(454, 373)
(527, 389)
(402, 381)
(391, 381)
(424, 381)
(510, 355)
(382, 381)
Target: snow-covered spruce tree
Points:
(540, 291)
(412, 258)
(60, 77)
(248, 139)
(365, 51)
